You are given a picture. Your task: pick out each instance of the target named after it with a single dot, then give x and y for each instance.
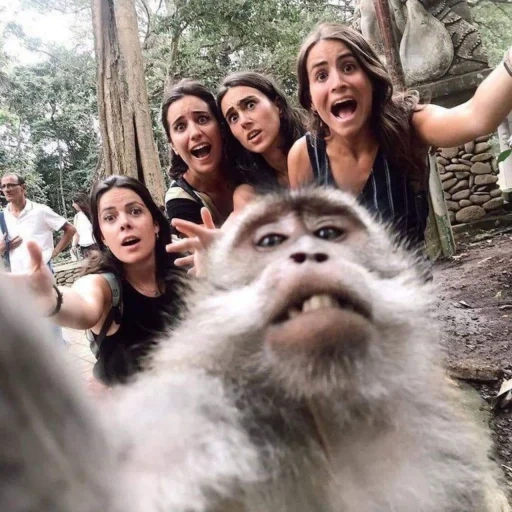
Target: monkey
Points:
(305, 376)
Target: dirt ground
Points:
(475, 288)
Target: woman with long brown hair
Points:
(371, 141)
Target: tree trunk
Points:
(128, 145)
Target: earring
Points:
(157, 235)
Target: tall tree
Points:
(128, 145)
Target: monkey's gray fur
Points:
(245, 408)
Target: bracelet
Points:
(57, 307)
(506, 62)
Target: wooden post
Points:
(445, 239)
(390, 46)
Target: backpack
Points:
(3, 230)
(115, 313)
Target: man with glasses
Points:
(26, 220)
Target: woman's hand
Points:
(39, 279)
(199, 239)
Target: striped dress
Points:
(387, 193)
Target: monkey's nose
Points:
(301, 257)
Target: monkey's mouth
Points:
(322, 322)
(313, 303)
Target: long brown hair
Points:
(391, 111)
(291, 127)
(103, 260)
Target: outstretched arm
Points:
(490, 105)
(84, 306)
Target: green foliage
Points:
(494, 20)
(47, 123)
(504, 155)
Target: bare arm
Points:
(84, 306)
(300, 171)
(490, 105)
(69, 231)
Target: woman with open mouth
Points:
(129, 293)
(263, 126)
(201, 174)
(370, 141)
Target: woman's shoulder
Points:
(177, 192)
(300, 170)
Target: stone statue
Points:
(436, 37)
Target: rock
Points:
(470, 214)
(454, 160)
(478, 199)
(461, 175)
(462, 194)
(483, 138)
(467, 156)
(483, 189)
(469, 163)
(460, 185)
(449, 153)
(493, 204)
(457, 167)
(485, 179)
(494, 165)
(442, 160)
(449, 183)
(471, 180)
(481, 168)
(481, 147)
(469, 147)
(465, 202)
(496, 192)
(475, 370)
(446, 195)
(452, 206)
(451, 216)
(440, 169)
(447, 176)
(482, 157)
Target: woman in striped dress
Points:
(372, 142)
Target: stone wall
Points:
(66, 275)
(469, 180)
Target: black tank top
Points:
(387, 193)
(144, 319)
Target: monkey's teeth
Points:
(319, 302)
(293, 312)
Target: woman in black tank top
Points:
(132, 233)
(371, 141)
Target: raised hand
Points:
(199, 239)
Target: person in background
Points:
(83, 239)
(263, 125)
(26, 221)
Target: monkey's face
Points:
(326, 296)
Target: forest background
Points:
(49, 128)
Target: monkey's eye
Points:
(271, 240)
(329, 233)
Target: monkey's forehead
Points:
(307, 201)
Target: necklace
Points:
(148, 291)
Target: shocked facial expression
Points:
(252, 118)
(341, 92)
(195, 134)
(127, 226)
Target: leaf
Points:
(504, 155)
